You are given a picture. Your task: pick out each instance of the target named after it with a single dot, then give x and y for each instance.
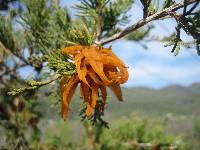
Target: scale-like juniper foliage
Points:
(105, 15)
(187, 22)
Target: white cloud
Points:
(158, 75)
(131, 51)
(157, 67)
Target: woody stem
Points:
(142, 22)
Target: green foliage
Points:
(133, 132)
(4, 4)
(45, 25)
(60, 64)
(189, 23)
(31, 86)
(168, 3)
(18, 117)
(96, 119)
(150, 7)
(197, 129)
(10, 36)
(108, 15)
(80, 34)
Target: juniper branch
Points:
(99, 21)
(17, 66)
(33, 85)
(163, 13)
(8, 71)
(13, 54)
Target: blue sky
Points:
(155, 67)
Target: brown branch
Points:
(141, 23)
(8, 51)
(7, 71)
(99, 22)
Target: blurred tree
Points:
(32, 39)
(131, 133)
(4, 4)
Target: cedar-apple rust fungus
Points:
(97, 68)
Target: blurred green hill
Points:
(171, 100)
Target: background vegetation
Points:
(31, 34)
